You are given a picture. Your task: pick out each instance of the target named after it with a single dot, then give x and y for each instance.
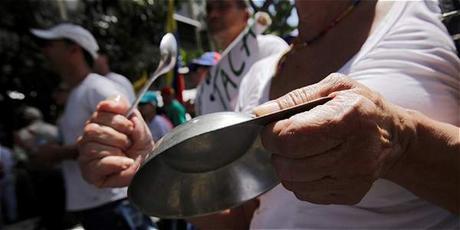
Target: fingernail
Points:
(266, 108)
(115, 98)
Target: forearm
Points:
(67, 152)
(430, 166)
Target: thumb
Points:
(333, 82)
(114, 104)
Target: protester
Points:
(199, 69)
(341, 153)
(158, 124)
(60, 95)
(102, 67)
(226, 20)
(35, 132)
(46, 178)
(174, 110)
(71, 51)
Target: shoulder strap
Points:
(451, 18)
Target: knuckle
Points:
(90, 129)
(353, 112)
(294, 97)
(339, 82)
(336, 78)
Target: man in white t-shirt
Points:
(71, 51)
(374, 163)
(102, 67)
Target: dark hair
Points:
(86, 55)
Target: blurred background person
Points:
(226, 19)
(59, 96)
(102, 67)
(198, 70)
(35, 132)
(158, 124)
(46, 178)
(199, 67)
(174, 110)
(71, 51)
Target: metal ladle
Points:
(211, 163)
(168, 52)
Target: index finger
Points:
(334, 82)
(306, 134)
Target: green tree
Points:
(279, 11)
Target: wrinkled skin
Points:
(108, 157)
(333, 153)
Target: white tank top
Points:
(411, 61)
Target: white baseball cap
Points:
(77, 34)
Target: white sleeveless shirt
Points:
(411, 61)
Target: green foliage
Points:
(279, 11)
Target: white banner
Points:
(219, 91)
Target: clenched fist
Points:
(113, 146)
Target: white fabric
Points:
(81, 103)
(220, 92)
(270, 45)
(159, 126)
(411, 61)
(76, 33)
(124, 85)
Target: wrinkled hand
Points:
(333, 153)
(112, 146)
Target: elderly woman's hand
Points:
(333, 153)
